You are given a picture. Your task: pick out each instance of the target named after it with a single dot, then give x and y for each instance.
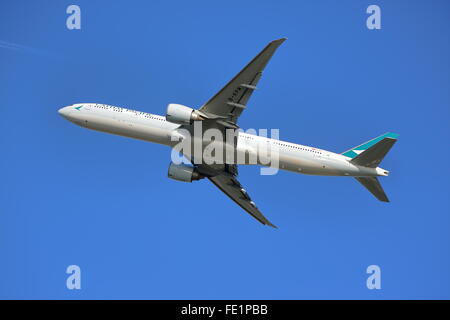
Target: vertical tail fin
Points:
(373, 156)
(353, 152)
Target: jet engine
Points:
(184, 173)
(180, 114)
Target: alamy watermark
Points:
(73, 21)
(373, 22)
(374, 280)
(234, 146)
(73, 281)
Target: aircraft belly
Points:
(313, 165)
(127, 128)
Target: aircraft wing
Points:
(229, 185)
(228, 104)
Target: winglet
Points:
(268, 223)
(276, 42)
(281, 40)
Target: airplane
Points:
(221, 113)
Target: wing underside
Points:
(232, 99)
(229, 185)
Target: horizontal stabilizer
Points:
(374, 155)
(373, 185)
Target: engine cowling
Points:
(180, 114)
(184, 173)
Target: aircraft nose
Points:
(64, 111)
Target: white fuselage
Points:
(154, 128)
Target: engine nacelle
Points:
(184, 173)
(180, 114)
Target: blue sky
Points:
(74, 196)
